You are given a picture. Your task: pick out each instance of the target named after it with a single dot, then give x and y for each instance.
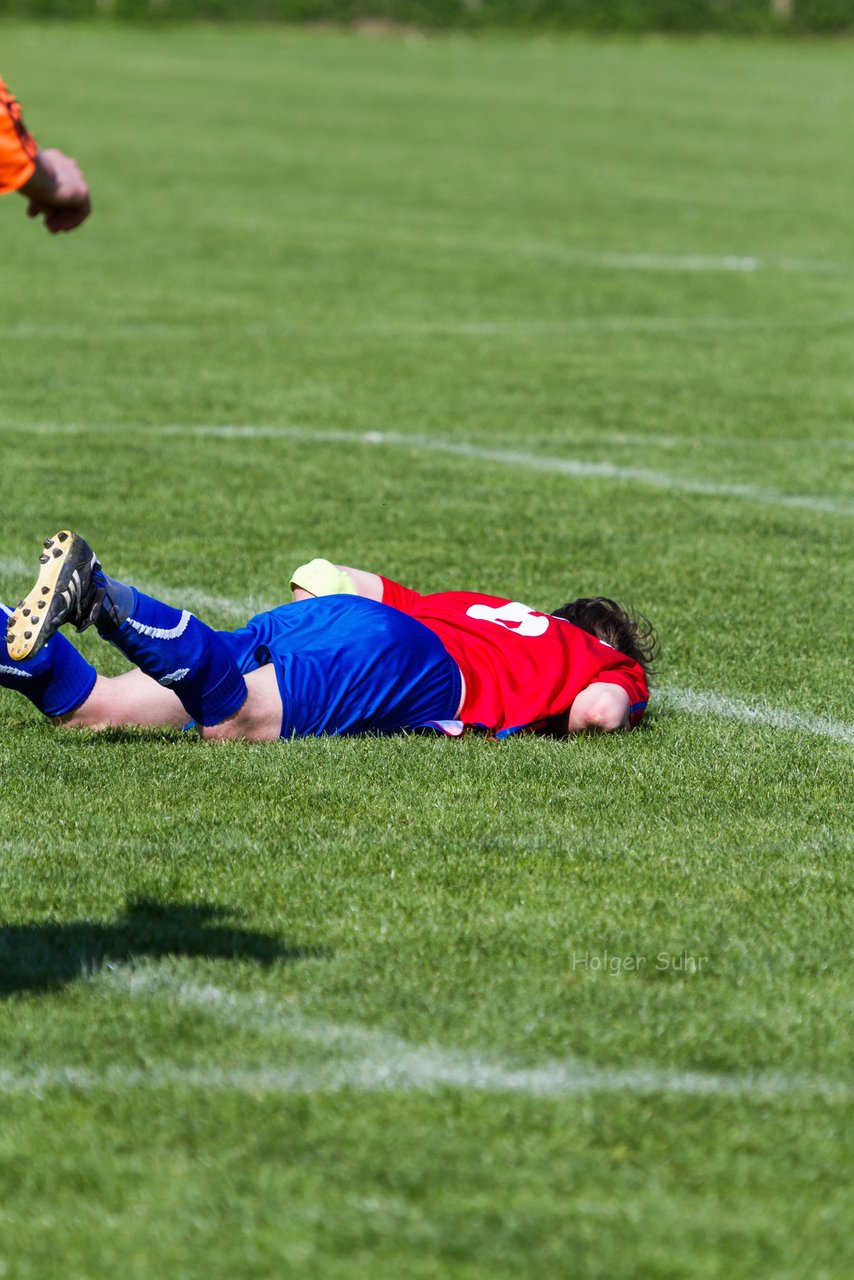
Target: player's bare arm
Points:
(57, 192)
(50, 181)
(600, 708)
(321, 578)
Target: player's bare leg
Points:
(132, 700)
(260, 717)
(68, 691)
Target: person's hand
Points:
(57, 191)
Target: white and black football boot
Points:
(65, 591)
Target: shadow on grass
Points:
(44, 957)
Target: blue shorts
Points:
(348, 665)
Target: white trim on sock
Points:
(163, 633)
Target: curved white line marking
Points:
(361, 1060)
(423, 1072)
(577, 468)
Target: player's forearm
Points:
(367, 584)
(57, 190)
(56, 180)
(321, 578)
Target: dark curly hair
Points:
(629, 632)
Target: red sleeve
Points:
(399, 597)
(18, 148)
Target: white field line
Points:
(37, 331)
(589, 438)
(569, 255)
(514, 457)
(422, 1074)
(693, 263)
(205, 601)
(357, 1059)
(191, 597)
(703, 702)
(403, 328)
(576, 468)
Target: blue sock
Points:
(184, 654)
(57, 680)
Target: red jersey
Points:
(18, 148)
(521, 668)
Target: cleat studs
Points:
(45, 590)
(28, 635)
(26, 613)
(20, 602)
(43, 559)
(48, 542)
(57, 551)
(62, 537)
(43, 603)
(36, 622)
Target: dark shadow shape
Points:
(118, 735)
(45, 957)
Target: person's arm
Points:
(600, 708)
(57, 191)
(369, 585)
(50, 181)
(321, 578)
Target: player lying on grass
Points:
(520, 669)
(339, 663)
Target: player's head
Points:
(629, 632)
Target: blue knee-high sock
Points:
(179, 651)
(57, 680)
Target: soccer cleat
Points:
(64, 592)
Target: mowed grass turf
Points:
(411, 1007)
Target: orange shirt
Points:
(18, 148)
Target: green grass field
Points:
(539, 317)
